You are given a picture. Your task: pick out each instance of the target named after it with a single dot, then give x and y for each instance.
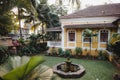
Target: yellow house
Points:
(99, 19)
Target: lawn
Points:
(95, 69)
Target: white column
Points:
(62, 41)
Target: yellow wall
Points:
(94, 44)
(79, 41)
(65, 37)
(94, 51)
(71, 44)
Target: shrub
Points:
(4, 54)
(60, 51)
(67, 53)
(116, 48)
(114, 44)
(101, 55)
(54, 52)
(21, 40)
(78, 50)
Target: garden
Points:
(96, 68)
(30, 58)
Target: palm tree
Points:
(60, 10)
(44, 15)
(21, 5)
(39, 10)
(71, 2)
(89, 33)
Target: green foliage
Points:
(114, 38)
(67, 53)
(34, 45)
(101, 55)
(89, 33)
(60, 51)
(54, 51)
(54, 20)
(21, 72)
(33, 40)
(78, 50)
(21, 40)
(4, 54)
(25, 50)
(5, 24)
(59, 10)
(116, 48)
(114, 44)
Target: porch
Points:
(54, 44)
(55, 37)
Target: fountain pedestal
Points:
(76, 71)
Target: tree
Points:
(5, 24)
(71, 2)
(39, 10)
(75, 2)
(21, 5)
(59, 10)
(114, 44)
(89, 33)
(44, 15)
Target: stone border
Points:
(77, 74)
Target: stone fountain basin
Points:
(76, 74)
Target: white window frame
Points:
(100, 35)
(71, 41)
(68, 36)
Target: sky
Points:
(97, 2)
(91, 2)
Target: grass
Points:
(95, 69)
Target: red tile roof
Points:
(96, 11)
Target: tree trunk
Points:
(34, 25)
(19, 14)
(43, 32)
(90, 44)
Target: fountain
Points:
(68, 69)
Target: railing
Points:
(54, 43)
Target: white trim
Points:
(63, 35)
(99, 38)
(90, 20)
(68, 38)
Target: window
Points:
(86, 39)
(103, 35)
(71, 35)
